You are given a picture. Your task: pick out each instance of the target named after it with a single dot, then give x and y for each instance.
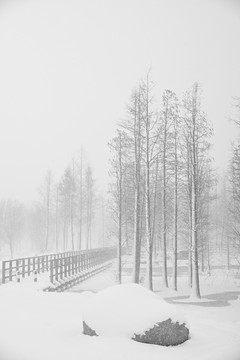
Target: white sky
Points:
(67, 68)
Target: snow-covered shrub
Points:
(88, 331)
(164, 333)
(132, 311)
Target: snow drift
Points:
(128, 310)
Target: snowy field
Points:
(36, 325)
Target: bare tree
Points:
(12, 222)
(56, 208)
(167, 121)
(119, 147)
(231, 195)
(150, 135)
(199, 132)
(233, 208)
(67, 189)
(89, 205)
(176, 140)
(46, 204)
(81, 198)
(134, 128)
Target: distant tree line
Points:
(64, 217)
(228, 226)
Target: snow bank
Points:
(37, 325)
(124, 310)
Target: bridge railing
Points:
(75, 264)
(70, 261)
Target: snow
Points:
(125, 310)
(37, 325)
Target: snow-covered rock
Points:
(127, 310)
(164, 333)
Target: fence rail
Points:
(60, 264)
(68, 271)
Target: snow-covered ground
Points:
(36, 325)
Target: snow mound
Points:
(125, 310)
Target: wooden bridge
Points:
(65, 269)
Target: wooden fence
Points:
(68, 271)
(60, 264)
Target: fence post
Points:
(76, 264)
(56, 269)
(17, 265)
(95, 259)
(29, 266)
(51, 271)
(42, 261)
(35, 275)
(69, 268)
(65, 267)
(47, 263)
(23, 268)
(38, 264)
(62, 267)
(34, 263)
(72, 265)
(10, 270)
(3, 272)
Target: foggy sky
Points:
(67, 68)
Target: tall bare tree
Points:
(167, 121)
(199, 133)
(67, 190)
(176, 140)
(46, 205)
(81, 198)
(11, 223)
(150, 136)
(118, 150)
(56, 208)
(134, 128)
(89, 205)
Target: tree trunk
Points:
(202, 260)
(72, 226)
(64, 229)
(189, 178)
(190, 248)
(80, 205)
(148, 211)
(154, 242)
(56, 220)
(208, 256)
(175, 230)
(137, 241)
(164, 227)
(228, 254)
(11, 248)
(137, 209)
(195, 280)
(120, 212)
(103, 222)
(148, 235)
(47, 224)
